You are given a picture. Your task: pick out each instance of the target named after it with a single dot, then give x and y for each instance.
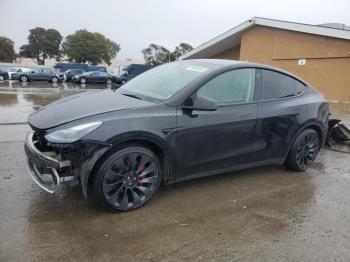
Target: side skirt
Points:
(277, 161)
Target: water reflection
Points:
(8, 99)
(18, 100)
(43, 99)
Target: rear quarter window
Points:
(299, 87)
(276, 85)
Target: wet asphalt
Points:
(262, 214)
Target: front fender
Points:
(97, 151)
(92, 156)
(166, 143)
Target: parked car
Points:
(68, 74)
(62, 67)
(131, 71)
(3, 75)
(93, 77)
(44, 74)
(178, 121)
(18, 70)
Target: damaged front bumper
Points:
(46, 167)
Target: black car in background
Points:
(68, 74)
(42, 74)
(178, 121)
(93, 77)
(130, 71)
(3, 75)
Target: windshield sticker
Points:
(196, 68)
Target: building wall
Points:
(232, 54)
(327, 65)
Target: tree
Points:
(7, 51)
(42, 44)
(87, 47)
(182, 49)
(156, 54)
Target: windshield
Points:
(164, 81)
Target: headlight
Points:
(72, 134)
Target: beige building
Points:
(319, 54)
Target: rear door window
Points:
(276, 85)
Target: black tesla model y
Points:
(178, 121)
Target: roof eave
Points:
(303, 28)
(291, 26)
(238, 29)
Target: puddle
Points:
(18, 100)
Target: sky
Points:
(134, 24)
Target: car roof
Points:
(218, 62)
(238, 63)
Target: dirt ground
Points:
(264, 214)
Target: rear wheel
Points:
(109, 81)
(54, 79)
(23, 78)
(304, 150)
(127, 179)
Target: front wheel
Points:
(83, 80)
(109, 81)
(127, 179)
(23, 78)
(304, 150)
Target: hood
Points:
(82, 105)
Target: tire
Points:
(304, 150)
(23, 78)
(54, 79)
(123, 82)
(127, 179)
(82, 80)
(109, 81)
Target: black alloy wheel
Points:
(128, 178)
(304, 150)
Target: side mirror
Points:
(200, 103)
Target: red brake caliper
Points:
(140, 171)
